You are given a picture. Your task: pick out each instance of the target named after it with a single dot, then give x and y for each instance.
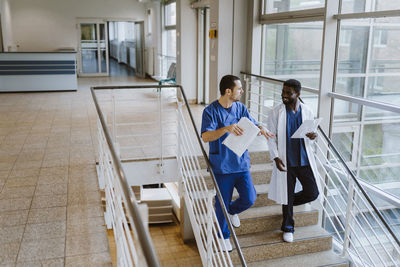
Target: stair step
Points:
(270, 245)
(262, 196)
(318, 259)
(256, 157)
(260, 174)
(260, 219)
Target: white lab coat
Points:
(276, 124)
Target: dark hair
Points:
(228, 81)
(292, 83)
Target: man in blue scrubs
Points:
(220, 118)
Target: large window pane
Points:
(170, 14)
(293, 51)
(368, 63)
(358, 6)
(345, 111)
(291, 5)
(353, 45)
(380, 158)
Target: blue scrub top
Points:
(295, 148)
(215, 116)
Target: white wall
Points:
(153, 40)
(186, 43)
(45, 25)
(6, 24)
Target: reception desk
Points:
(38, 71)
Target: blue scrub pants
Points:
(308, 194)
(247, 196)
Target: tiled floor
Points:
(50, 207)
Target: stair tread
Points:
(272, 210)
(270, 237)
(316, 259)
(253, 168)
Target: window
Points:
(291, 5)
(168, 55)
(293, 51)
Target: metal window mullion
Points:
(98, 47)
(374, 14)
(314, 14)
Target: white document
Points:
(239, 144)
(308, 126)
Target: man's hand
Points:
(279, 164)
(312, 136)
(265, 132)
(234, 129)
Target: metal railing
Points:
(133, 249)
(198, 195)
(359, 228)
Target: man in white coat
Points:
(293, 157)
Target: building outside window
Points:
(168, 55)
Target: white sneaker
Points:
(288, 237)
(234, 220)
(228, 244)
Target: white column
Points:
(327, 81)
(186, 43)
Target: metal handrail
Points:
(123, 176)
(354, 178)
(132, 206)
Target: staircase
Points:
(260, 237)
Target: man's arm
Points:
(210, 136)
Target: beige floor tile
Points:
(100, 260)
(43, 263)
(12, 218)
(18, 173)
(17, 192)
(86, 244)
(15, 204)
(40, 249)
(22, 164)
(86, 198)
(49, 201)
(6, 166)
(94, 225)
(47, 215)
(50, 189)
(45, 230)
(23, 181)
(82, 187)
(79, 213)
(8, 252)
(11, 234)
(31, 156)
(60, 162)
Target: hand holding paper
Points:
(308, 126)
(240, 143)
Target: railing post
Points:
(113, 120)
(349, 217)
(246, 90)
(210, 210)
(161, 171)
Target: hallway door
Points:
(93, 49)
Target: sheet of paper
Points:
(239, 144)
(308, 126)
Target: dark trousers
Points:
(308, 194)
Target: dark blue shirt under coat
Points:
(295, 148)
